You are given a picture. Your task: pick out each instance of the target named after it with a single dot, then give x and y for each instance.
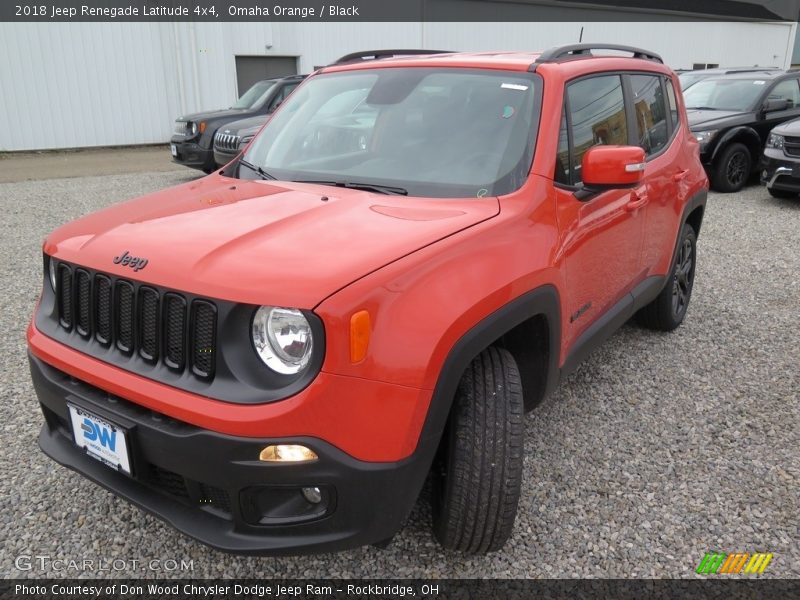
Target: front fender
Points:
(744, 133)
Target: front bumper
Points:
(780, 172)
(192, 154)
(223, 157)
(212, 487)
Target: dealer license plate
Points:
(100, 439)
(174, 149)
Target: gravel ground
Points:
(659, 448)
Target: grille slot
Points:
(102, 303)
(791, 145)
(65, 296)
(226, 141)
(181, 128)
(168, 481)
(124, 316)
(174, 330)
(83, 285)
(216, 497)
(204, 327)
(144, 323)
(148, 324)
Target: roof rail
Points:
(585, 50)
(378, 54)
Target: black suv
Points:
(689, 78)
(731, 117)
(192, 142)
(233, 137)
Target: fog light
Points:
(764, 173)
(312, 494)
(290, 453)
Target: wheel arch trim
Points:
(541, 301)
(747, 135)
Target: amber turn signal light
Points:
(359, 336)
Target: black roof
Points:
(770, 75)
(729, 70)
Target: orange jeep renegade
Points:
(410, 254)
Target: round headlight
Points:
(193, 128)
(52, 269)
(283, 339)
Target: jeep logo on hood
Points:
(134, 262)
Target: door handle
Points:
(638, 199)
(680, 175)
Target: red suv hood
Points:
(261, 242)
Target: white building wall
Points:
(88, 84)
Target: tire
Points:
(733, 168)
(478, 471)
(669, 308)
(782, 193)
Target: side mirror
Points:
(775, 104)
(608, 167)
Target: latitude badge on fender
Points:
(134, 262)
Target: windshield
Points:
(688, 79)
(255, 96)
(424, 131)
(724, 94)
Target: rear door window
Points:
(651, 113)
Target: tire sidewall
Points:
(721, 182)
(686, 233)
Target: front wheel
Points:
(668, 309)
(478, 472)
(733, 168)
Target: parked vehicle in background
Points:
(732, 116)
(191, 144)
(412, 253)
(780, 165)
(231, 138)
(689, 78)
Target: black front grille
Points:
(791, 145)
(216, 497)
(159, 326)
(168, 482)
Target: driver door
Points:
(601, 235)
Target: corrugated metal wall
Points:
(89, 84)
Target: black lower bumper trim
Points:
(199, 480)
(193, 155)
(779, 172)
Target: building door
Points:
(250, 69)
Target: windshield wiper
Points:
(255, 169)
(367, 187)
(702, 108)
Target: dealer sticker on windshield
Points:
(100, 439)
